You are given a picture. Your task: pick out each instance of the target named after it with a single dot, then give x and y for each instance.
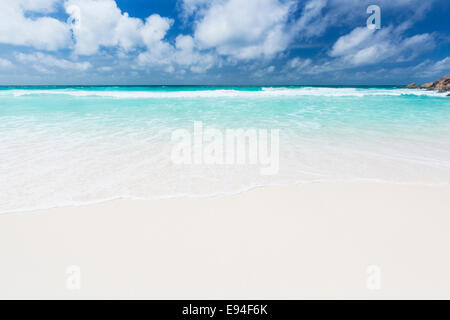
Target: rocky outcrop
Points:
(412, 86)
(428, 85)
(442, 84)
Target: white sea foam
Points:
(223, 93)
(48, 171)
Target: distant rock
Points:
(441, 85)
(412, 86)
(427, 85)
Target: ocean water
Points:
(64, 146)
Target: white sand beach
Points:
(309, 241)
(224, 150)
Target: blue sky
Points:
(224, 42)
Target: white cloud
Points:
(232, 28)
(299, 64)
(190, 7)
(4, 63)
(433, 68)
(319, 15)
(224, 32)
(183, 55)
(349, 43)
(105, 69)
(44, 33)
(363, 46)
(187, 55)
(153, 33)
(254, 29)
(38, 5)
(42, 62)
(271, 69)
(311, 22)
(101, 23)
(155, 29)
(242, 29)
(423, 72)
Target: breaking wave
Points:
(264, 92)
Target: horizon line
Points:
(198, 85)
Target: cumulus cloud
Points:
(44, 6)
(41, 62)
(182, 55)
(101, 23)
(187, 55)
(232, 32)
(190, 7)
(43, 33)
(242, 29)
(158, 51)
(363, 46)
(254, 29)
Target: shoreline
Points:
(224, 194)
(306, 241)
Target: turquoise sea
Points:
(64, 146)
